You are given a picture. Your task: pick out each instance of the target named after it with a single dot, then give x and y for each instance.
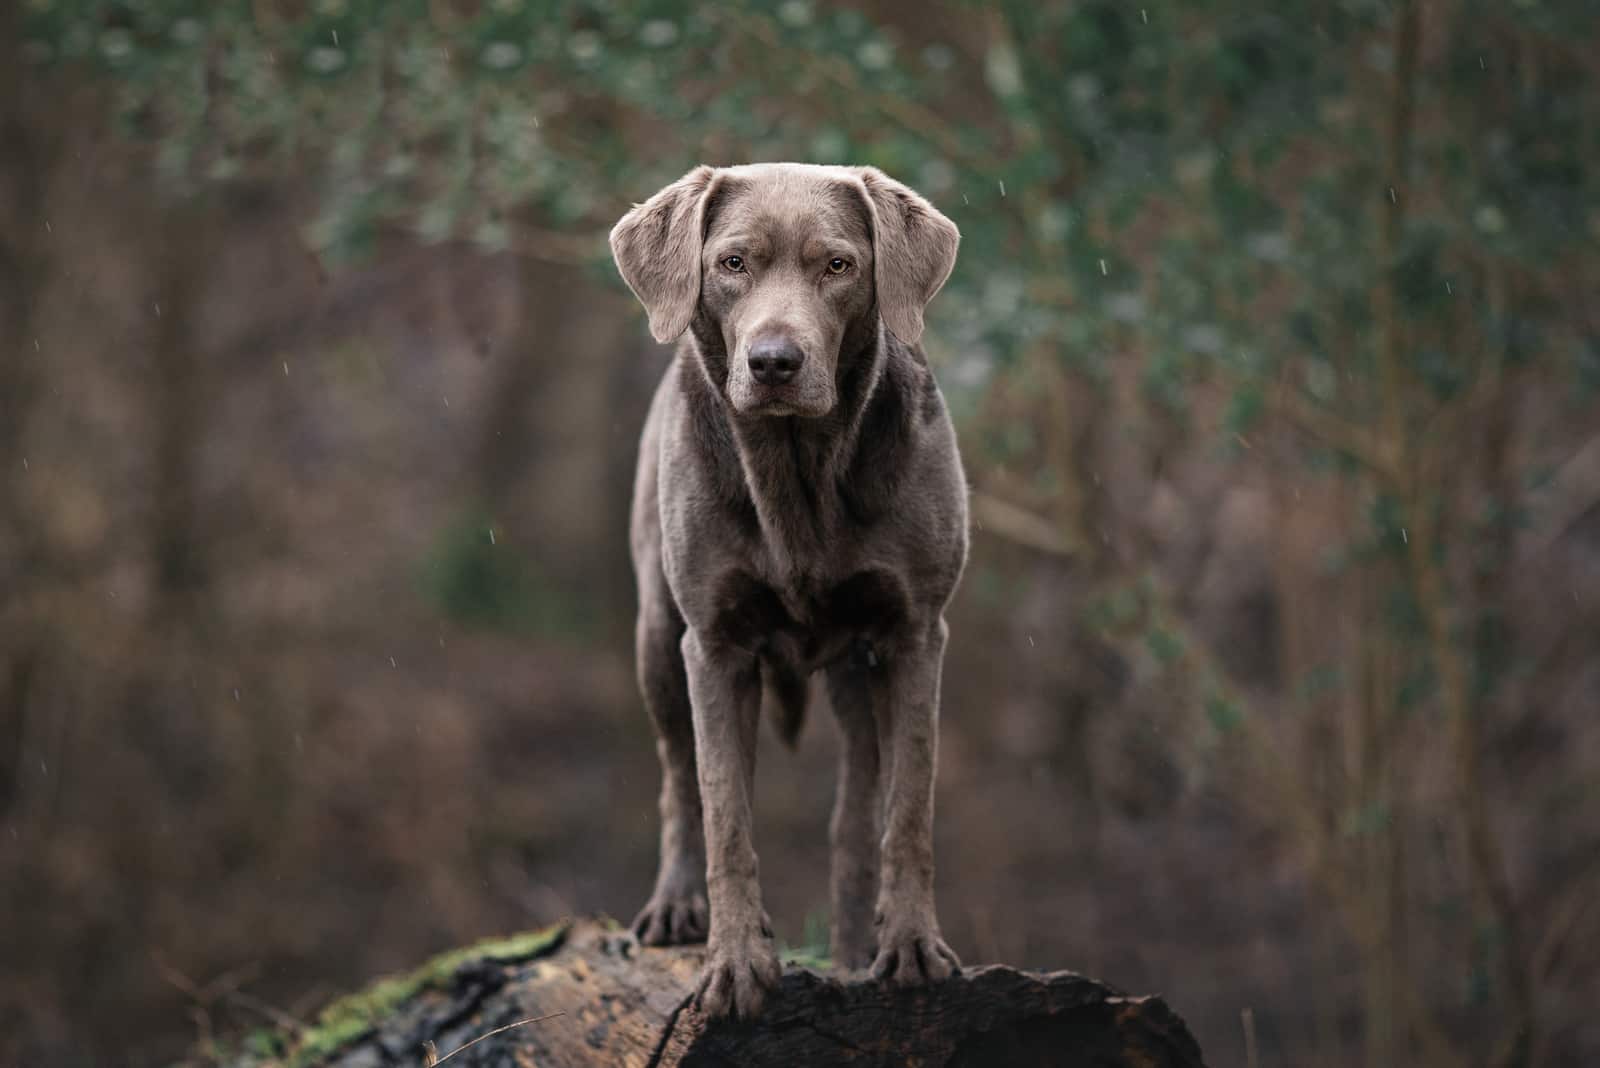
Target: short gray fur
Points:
(781, 528)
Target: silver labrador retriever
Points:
(799, 506)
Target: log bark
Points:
(622, 1004)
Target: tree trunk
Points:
(621, 1004)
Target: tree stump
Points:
(623, 1004)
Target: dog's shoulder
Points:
(918, 383)
(904, 419)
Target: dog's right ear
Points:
(657, 249)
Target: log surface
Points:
(626, 1005)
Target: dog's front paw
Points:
(738, 975)
(673, 918)
(911, 953)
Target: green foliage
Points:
(475, 579)
(1121, 609)
(1165, 646)
(1365, 819)
(812, 952)
(1224, 713)
(1253, 134)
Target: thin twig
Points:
(1336, 432)
(285, 1020)
(431, 1063)
(1020, 525)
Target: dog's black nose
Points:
(775, 360)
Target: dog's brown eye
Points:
(838, 266)
(734, 263)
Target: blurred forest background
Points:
(1274, 346)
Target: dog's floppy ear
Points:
(913, 251)
(657, 249)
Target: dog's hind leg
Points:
(677, 911)
(854, 828)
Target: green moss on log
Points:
(354, 1015)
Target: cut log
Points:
(623, 1004)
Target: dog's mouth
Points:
(780, 403)
(790, 399)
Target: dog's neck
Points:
(803, 480)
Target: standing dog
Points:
(799, 507)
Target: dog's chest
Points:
(811, 620)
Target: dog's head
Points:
(790, 267)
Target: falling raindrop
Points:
(47, 228)
(491, 535)
(447, 402)
(1002, 188)
(1102, 267)
(1447, 289)
(1392, 200)
(1145, 15)
(236, 696)
(1404, 537)
(392, 663)
(1031, 644)
(336, 38)
(286, 368)
(158, 309)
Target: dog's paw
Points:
(912, 954)
(673, 919)
(737, 978)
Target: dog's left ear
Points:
(657, 249)
(913, 252)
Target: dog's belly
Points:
(810, 626)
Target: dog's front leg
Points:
(910, 947)
(725, 693)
